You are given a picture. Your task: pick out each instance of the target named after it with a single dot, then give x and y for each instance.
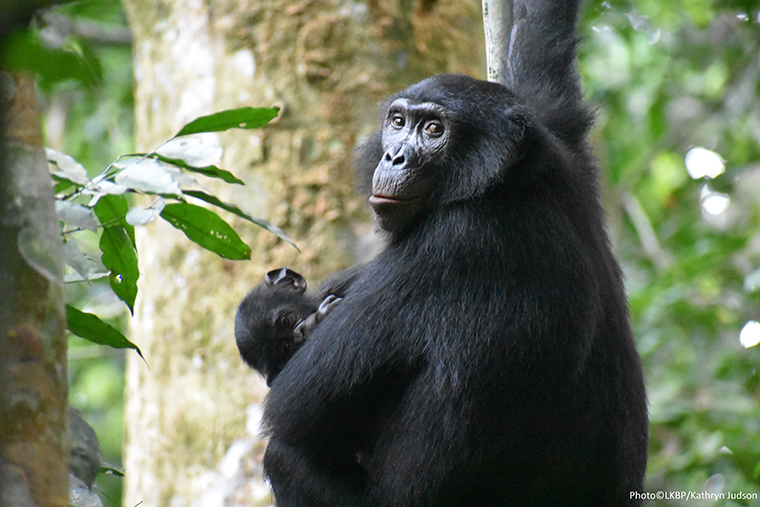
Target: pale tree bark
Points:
(497, 25)
(34, 447)
(326, 63)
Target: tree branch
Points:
(497, 22)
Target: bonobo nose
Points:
(395, 155)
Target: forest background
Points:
(677, 86)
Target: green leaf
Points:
(68, 168)
(211, 199)
(112, 210)
(142, 216)
(244, 118)
(118, 247)
(120, 256)
(90, 327)
(207, 229)
(85, 266)
(147, 174)
(23, 51)
(75, 215)
(211, 171)
(192, 150)
(62, 185)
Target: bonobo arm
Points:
(541, 66)
(330, 482)
(340, 282)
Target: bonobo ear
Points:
(286, 278)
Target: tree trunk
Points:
(34, 450)
(326, 63)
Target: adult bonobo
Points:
(485, 357)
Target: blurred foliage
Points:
(667, 76)
(89, 117)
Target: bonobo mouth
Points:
(379, 200)
(396, 213)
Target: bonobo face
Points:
(414, 138)
(447, 139)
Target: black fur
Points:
(485, 358)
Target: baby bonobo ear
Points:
(285, 278)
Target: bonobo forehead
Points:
(417, 110)
(455, 92)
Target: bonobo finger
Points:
(327, 305)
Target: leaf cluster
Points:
(101, 205)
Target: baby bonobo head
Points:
(275, 318)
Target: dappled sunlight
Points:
(750, 334)
(703, 163)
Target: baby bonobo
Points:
(277, 316)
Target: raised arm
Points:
(541, 66)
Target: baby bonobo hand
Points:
(307, 325)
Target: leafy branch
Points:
(167, 173)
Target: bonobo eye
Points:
(287, 347)
(285, 320)
(398, 121)
(434, 128)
